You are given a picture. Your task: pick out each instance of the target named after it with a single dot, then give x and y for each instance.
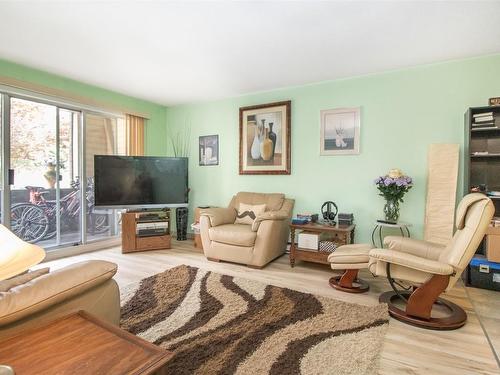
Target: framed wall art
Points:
(209, 150)
(265, 139)
(340, 131)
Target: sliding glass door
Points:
(44, 164)
(48, 168)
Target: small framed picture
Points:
(340, 131)
(209, 150)
(494, 101)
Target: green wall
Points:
(156, 137)
(402, 113)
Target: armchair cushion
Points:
(233, 234)
(424, 249)
(269, 215)
(53, 288)
(273, 201)
(411, 261)
(247, 213)
(219, 215)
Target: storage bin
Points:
(484, 274)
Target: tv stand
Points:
(147, 229)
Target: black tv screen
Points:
(140, 181)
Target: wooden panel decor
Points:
(265, 139)
(442, 164)
(81, 344)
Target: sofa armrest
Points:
(53, 288)
(269, 215)
(219, 215)
(411, 261)
(424, 249)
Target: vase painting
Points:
(265, 139)
(255, 149)
(266, 147)
(209, 150)
(272, 137)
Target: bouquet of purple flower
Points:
(393, 186)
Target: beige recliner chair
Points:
(430, 269)
(35, 298)
(254, 245)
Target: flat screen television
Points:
(140, 181)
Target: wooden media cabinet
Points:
(133, 240)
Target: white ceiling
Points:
(180, 52)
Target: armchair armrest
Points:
(53, 288)
(424, 249)
(412, 261)
(269, 215)
(219, 215)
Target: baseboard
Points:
(64, 252)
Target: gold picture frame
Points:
(265, 139)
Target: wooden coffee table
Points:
(81, 344)
(342, 235)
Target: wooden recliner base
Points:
(346, 280)
(420, 302)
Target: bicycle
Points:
(37, 220)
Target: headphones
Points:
(327, 211)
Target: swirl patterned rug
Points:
(218, 324)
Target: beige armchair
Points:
(429, 269)
(254, 245)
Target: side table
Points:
(80, 343)
(404, 228)
(341, 235)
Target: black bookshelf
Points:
(482, 159)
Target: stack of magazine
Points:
(485, 120)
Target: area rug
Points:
(218, 324)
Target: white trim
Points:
(57, 101)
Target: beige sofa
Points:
(254, 245)
(81, 286)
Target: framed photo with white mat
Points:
(340, 131)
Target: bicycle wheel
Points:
(29, 222)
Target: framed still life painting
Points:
(209, 150)
(265, 139)
(340, 131)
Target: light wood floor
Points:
(407, 350)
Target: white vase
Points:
(255, 150)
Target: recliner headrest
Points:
(465, 204)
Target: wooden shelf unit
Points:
(131, 242)
(340, 234)
(482, 169)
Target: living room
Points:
(269, 187)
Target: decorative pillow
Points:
(247, 213)
(6, 285)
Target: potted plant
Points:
(393, 186)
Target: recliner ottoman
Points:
(350, 258)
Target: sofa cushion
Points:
(273, 201)
(247, 213)
(21, 279)
(55, 287)
(233, 234)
